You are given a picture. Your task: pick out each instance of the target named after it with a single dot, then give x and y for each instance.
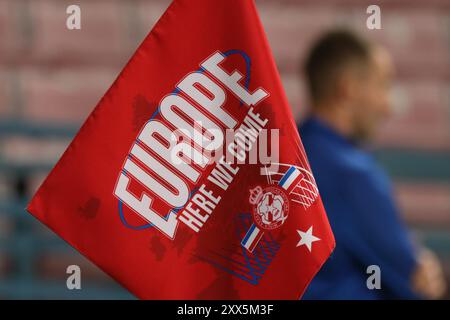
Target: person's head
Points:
(349, 80)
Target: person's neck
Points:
(335, 118)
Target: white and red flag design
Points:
(189, 179)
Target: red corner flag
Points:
(189, 179)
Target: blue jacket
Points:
(357, 196)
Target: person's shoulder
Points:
(315, 139)
(325, 150)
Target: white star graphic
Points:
(307, 238)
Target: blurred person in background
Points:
(349, 81)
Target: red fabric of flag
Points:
(168, 186)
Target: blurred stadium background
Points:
(51, 78)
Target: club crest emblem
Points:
(270, 206)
